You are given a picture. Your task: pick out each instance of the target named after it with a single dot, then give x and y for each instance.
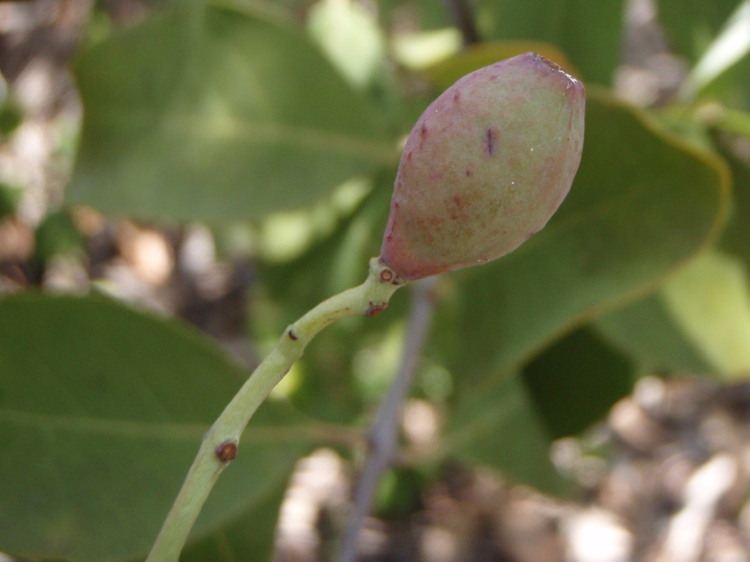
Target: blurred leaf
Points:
(9, 199)
(349, 35)
(335, 263)
(429, 14)
(400, 493)
(102, 410)
(723, 54)
(331, 266)
(56, 235)
(575, 381)
(733, 121)
(501, 427)
(11, 116)
(691, 25)
(561, 392)
(736, 237)
(589, 31)
(699, 321)
(731, 87)
(710, 301)
(647, 332)
(210, 114)
(421, 49)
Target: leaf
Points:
(691, 25)
(348, 33)
(710, 302)
(736, 237)
(330, 266)
(651, 329)
(208, 114)
(718, 68)
(102, 410)
(699, 321)
(501, 428)
(573, 25)
(647, 332)
(561, 392)
(575, 382)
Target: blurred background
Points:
(180, 180)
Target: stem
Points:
(383, 436)
(219, 445)
(463, 18)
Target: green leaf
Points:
(647, 332)
(575, 382)
(724, 67)
(330, 266)
(9, 198)
(210, 114)
(691, 25)
(588, 31)
(500, 427)
(564, 390)
(102, 410)
(699, 321)
(348, 33)
(656, 330)
(710, 301)
(736, 237)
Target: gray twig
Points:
(463, 18)
(383, 435)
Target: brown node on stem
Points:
(375, 308)
(227, 451)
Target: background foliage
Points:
(262, 122)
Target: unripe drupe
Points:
(485, 167)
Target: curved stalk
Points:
(220, 443)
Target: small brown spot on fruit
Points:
(227, 451)
(292, 335)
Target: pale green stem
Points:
(220, 442)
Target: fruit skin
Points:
(485, 167)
